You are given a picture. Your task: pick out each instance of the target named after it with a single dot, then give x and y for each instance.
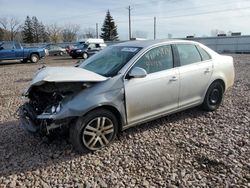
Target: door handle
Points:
(174, 78)
(207, 70)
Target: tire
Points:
(84, 55)
(214, 96)
(94, 131)
(34, 58)
(61, 53)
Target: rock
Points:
(145, 183)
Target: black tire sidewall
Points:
(77, 129)
(206, 104)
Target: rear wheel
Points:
(213, 96)
(94, 131)
(34, 58)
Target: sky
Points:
(176, 17)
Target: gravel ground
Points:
(188, 149)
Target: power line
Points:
(137, 4)
(187, 15)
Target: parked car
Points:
(12, 50)
(68, 48)
(88, 48)
(124, 85)
(55, 50)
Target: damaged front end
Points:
(44, 101)
(46, 96)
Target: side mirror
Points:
(89, 48)
(137, 72)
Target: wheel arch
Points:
(222, 83)
(115, 111)
(36, 53)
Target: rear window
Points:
(205, 56)
(188, 54)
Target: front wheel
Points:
(34, 58)
(213, 97)
(84, 55)
(94, 131)
(61, 53)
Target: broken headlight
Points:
(53, 109)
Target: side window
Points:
(188, 54)
(91, 46)
(157, 59)
(8, 45)
(97, 45)
(17, 45)
(205, 56)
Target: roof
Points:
(147, 43)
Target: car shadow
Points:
(21, 152)
(63, 58)
(165, 120)
(10, 62)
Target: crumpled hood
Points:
(65, 74)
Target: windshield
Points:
(110, 60)
(78, 46)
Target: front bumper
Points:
(42, 123)
(76, 54)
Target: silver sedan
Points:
(122, 86)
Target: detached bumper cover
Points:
(27, 118)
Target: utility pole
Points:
(154, 28)
(129, 23)
(96, 29)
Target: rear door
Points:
(195, 74)
(157, 93)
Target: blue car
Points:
(12, 50)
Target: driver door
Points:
(158, 92)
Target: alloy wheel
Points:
(98, 133)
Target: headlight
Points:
(78, 50)
(58, 108)
(53, 109)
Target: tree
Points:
(109, 29)
(89, 33)
(39, 33)
(2, 33)
(10, 27)
(69, 32)
(55, 34)
(28, 31)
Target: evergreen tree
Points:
(36, 30)
(109, 29)
(28, 31)
(39, 33)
